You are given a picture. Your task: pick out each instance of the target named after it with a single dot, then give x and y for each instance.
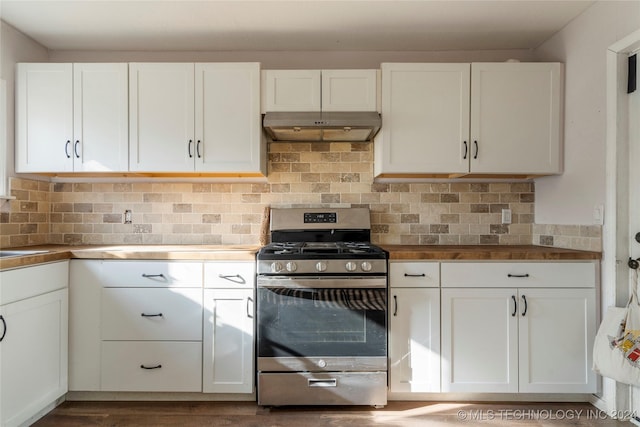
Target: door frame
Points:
(616, 238)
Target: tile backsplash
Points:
(300, 174)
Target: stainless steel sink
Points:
(14, 253)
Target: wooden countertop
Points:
(486, 252)
(247, 253)
(131, 252)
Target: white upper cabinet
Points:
(450, 120)
(71, 118)
(425, 114)
(161, 125)
(228, 126)
(349, 90)
(319, 90)
(291, 90)
(195, 117)
(515, 118)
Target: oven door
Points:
(322, 324)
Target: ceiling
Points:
(305, 25)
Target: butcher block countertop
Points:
(247, 253)
(132, 252)
(486, 252)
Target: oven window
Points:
(321, 322)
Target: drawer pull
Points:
(249, 313)
(235, 278)
(414, 275)
(151, 367)
(151, 276)
(331, 382)
(4, 328)
(151, 315)
(518, 275)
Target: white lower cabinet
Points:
(519, 339)
(414, 340)
(479, 341)
(33, 343)
(136, 326)
(414, 327)
(229, 325)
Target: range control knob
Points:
(366, 266)
(321, 266)
(291, 267)
(276, 267)
(322, 363)
(351, 266)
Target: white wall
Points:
(582, 45)
(15, 47)
(296, 60)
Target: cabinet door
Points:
(228, 121)
(349, 90)
(479, 340)
(292, 90)
(161, 117)
(414, 340)
(228, 341)
(33, 355)
(44, 118)
(425, 109)
(100, 118)
(556, 334)
(515, 118)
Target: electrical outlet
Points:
(128, 217)
(506, 216)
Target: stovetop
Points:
(320, 250)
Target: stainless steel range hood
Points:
(322, 126)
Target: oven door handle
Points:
(343, 282)
(329, 382)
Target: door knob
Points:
(633, 263)
(638, 237)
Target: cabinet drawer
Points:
(414, 274)
(27, 282)
(150, 274)
(171, 366)
(519, 274)
(152, 314)
(229, 274)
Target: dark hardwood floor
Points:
(248, 414)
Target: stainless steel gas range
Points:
(321, 310)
